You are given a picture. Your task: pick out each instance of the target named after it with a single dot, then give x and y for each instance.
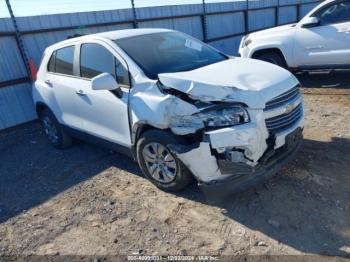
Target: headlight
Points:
(221, 117)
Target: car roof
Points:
(111, 35)
(326, 2)
(118, 34)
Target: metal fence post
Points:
(19, 39)
(246, 18)
(298, 10)
(277, 13)
(204, 22)
(135, 23)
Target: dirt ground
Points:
(89, 201)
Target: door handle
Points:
(314, 47)
(48, 82)
(80, 92)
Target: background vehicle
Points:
(173, 103)
(321, 40)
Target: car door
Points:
(104, 114)
(327, 43)
(62, 80)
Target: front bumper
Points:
(246, 176)
(230, 160)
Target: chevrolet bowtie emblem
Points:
(289, 108)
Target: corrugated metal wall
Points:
(16, 105)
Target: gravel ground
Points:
(89, 201)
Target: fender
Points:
(45, 97)
(275, 45)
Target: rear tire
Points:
(273, 58)
(54, 131)
(163, 169)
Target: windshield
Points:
(168, 52)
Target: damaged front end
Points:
(229, 172)
(225, 151)
(238, 133)
(231, 159)
(237, 149)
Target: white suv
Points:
(321, 40)
(182, 109)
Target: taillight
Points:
(33, 70)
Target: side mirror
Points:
(308, 22)
(106, 81)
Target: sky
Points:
(43, 7)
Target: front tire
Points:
(159, 164)
(273, 58)
(55, 133)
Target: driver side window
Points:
(96, 59)
(333, 14)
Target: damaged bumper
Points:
(246, 176)
(231, 159)
(226, 161)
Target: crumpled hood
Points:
(243, 80)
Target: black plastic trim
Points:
(323, 67)
(98, 141)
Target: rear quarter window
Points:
(51, 64)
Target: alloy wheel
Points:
(50, 130)
(160, 162)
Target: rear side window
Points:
(64, 60)
(95, 60)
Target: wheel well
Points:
(188, 139)
(258, 53)
(39, 107)
(141, 129)
(136, 135)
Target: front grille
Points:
(284, 121)
(285, 98)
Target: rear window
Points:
(64, 60)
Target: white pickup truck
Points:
(321, 40)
